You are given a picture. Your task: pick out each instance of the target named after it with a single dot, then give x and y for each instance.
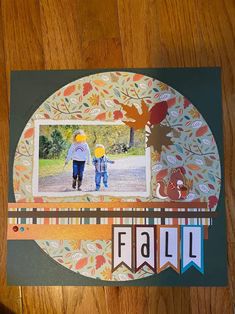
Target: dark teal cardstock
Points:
(27, 264)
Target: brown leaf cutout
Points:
(138, 120)
(158, 137)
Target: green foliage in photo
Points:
(119, 140)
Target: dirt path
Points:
(125, 175)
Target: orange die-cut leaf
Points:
(138, 120)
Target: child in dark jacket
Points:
(100, 161)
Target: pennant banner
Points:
(192, 248)
(145, 247)
(168, 251)
(122, 247)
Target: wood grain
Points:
(66, 34)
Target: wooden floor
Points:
(69, 34)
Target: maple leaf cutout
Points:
(158, 137)
(138, 120)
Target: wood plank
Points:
(10, 297)
(231, 270)
(84, 300)
(22, 35)
(61, 34)
(43, 300)
(99, 34)
(127, 300)
(134, 31)
(169, 300)
(210, 300)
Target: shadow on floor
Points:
(4, 309)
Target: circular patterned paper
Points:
(187, 143)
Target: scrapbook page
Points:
(116, 178)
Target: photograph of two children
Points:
(91, 158)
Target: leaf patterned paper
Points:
(183, 138)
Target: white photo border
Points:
(35, 177)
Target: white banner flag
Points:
(122, 247)
(192, 247)
(145, 241)
(168, 248)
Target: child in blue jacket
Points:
(100, 161)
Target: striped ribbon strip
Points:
(195, 213)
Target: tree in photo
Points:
(132, 138)
(45, 146)
(58, 144)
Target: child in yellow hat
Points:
(100, 162)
